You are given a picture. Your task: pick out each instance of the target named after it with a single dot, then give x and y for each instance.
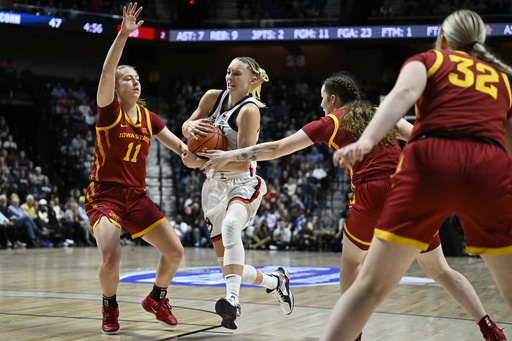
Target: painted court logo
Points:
(212, 276)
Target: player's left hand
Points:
(130, 15)
(216, 160)
(190, 159)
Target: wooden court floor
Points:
(54, 294)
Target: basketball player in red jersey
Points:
(346, 117)
(456, 160)
(116, 197)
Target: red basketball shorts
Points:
(441, 176)
(126, 207)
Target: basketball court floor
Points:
(54, 294)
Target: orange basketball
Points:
(213, 140)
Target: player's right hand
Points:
(199, 127)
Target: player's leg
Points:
(435, 266)
(166, 241)
(381, 271)
(234, 221)
(351, 258)
(460, 289)
(107, 238)
(500, 268)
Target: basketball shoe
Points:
(110, 324)
(495, 334)
(229, 309)
(282, 292)
(161, 309)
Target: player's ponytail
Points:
(464, 30)
(261, 75)
(358, 114)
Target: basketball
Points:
(213, 140)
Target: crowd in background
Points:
(295, 213)
(299, 185)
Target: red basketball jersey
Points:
(122, 146)
(463, 95)
(331, 131)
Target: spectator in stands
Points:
(183, 230)
(89, 115)
(326, 229)
(57, 91)
(261, 237)
(85, 224)
(27, 226)
(9, 234)
(76, 232)
(303, 235)
(45, 189)
(23, 160)
(54, 236)
(10, 145)
(281, 237)
(270, 217)
(7, 183)
(290, 186)
(38, 176)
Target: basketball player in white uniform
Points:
(232, 197)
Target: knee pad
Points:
(231, 231)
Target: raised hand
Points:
(130, 15)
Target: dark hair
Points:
(343, 86)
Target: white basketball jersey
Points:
(226, 120)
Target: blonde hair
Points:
(465, 30)
(117, 74)
(261, 75)
(357, 116)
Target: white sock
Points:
(269, 282)
(233, 283)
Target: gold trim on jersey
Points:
(113, 124)
(353, 237)
(139, 117)
(148, 118)
(148, 229)
(507, 84)
(335, 131)
(437, 63)
(385, 235)
(498, 251)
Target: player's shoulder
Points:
(212, 93)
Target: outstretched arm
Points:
(408, 88)
(263, 151)
(171, 141)
(106, 87)
(404, 128)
